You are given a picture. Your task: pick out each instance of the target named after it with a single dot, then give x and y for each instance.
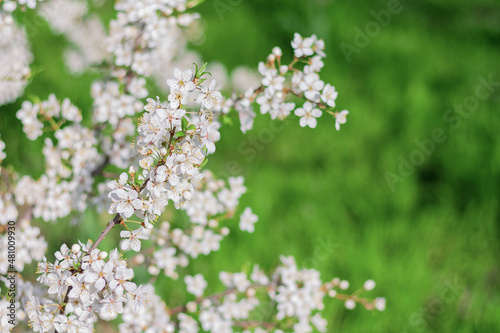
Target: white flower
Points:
(79, 290)
(112, 305)
(329, 95)
(308, 114)
(152, 105)
(319, 46)
(125, 202)
(258, 276)
(100, 274)
(340, 118)
(209, 135)
(64, 256)
(121, 281)
(311, 85)
(209, 98)
(319, 322)
(195, 284)
(302, 46)
(241, 282)
(247, 220)
(181, 80)
(70, 112)
(187, 324)
(282, 111)
(133, 239)
(56, 283)
(177, 97)
(142, 296)
(166, 259)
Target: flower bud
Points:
(250, 292)
(277, 51)
(206, 303)
(344, 284)
(380, 303)
(191, 306)
(283, 69)
(139, 259)
(369, 285)
(75, 248)
(350, 304)
(153, 270)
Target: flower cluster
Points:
(30, 245)
(207, 209)
(8, 209)
(143, 39)
(296, 294)
(49, 110)
(281, 84)
(151, 318)
(173, 146)
(146, 33)
(86, 284)
(11, 5)
(85, 31)
(111, 105)
(16, 57)
(70, 162)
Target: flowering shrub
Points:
(165, 164)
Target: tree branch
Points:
(116, 220)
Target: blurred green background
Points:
(381, 198)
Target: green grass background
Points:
(438, 226)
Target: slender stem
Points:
(198, 300)
(130, 73)
(100, 168)
(368, 305)
(116, 220)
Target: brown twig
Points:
(100, 168)
(116, 220)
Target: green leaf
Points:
(201, 70)
(35, 99)
(227, 120)
(191, 128)
(179, 134)
(185, 122)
